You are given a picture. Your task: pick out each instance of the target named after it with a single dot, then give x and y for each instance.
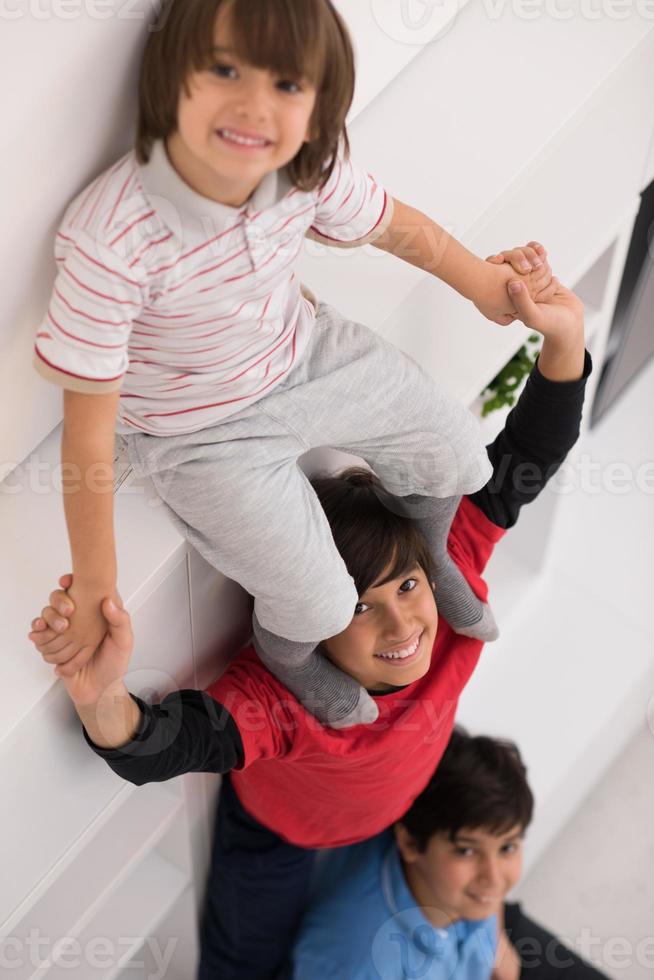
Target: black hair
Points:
(480, 783)
(371, 528)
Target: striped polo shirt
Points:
(191, 307)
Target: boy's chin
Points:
(476, 912)
(420, 670)
(396, 677)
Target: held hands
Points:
(555, 312)
(533, 270)
(104, 666)
(85, 631)
(560, 319)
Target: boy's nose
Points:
(254, 102)
(489, 874)
(397, 624)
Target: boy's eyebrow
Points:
(505, 838)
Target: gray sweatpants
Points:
(237, 492)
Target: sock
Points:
(465, 613)
(334, 697)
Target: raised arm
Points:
(188, 732)
(414, 237)
(544, 425)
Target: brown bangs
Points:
(374, 536)
(283, 36)
(296, 41)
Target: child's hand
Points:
(560, 319)
(494, 301)
(71, 646)
(530, 262)
(106, 665)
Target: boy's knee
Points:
(304, 618)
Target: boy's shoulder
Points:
(267, 715)
(347, 899)
(110, 212)
(357, 866)
(246, 678)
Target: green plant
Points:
(502, 388)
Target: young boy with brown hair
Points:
(177, 316)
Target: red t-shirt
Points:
(322, 787)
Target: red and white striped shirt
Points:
(190, 307)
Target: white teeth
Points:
(400, 654)
(245, 140)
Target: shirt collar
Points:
(178, 204)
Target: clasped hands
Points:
(528, 264)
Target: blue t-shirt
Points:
(363, 924)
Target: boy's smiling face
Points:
(390, 639)
(235, 96)
(466, 878)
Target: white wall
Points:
(67, 113)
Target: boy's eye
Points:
(509, 848)
(407, 586)
(222, 71)
(463, 851)
(218, 69)
(287, 81)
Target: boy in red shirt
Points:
(295, 785)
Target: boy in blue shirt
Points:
(425, 899)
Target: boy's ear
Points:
(405, 843)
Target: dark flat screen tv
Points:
(631, 338)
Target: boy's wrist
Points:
(483, 282)
(562, 357)
(113, 720)
(567, 337)
(90, 591)
(113, 695)
(94, 580)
